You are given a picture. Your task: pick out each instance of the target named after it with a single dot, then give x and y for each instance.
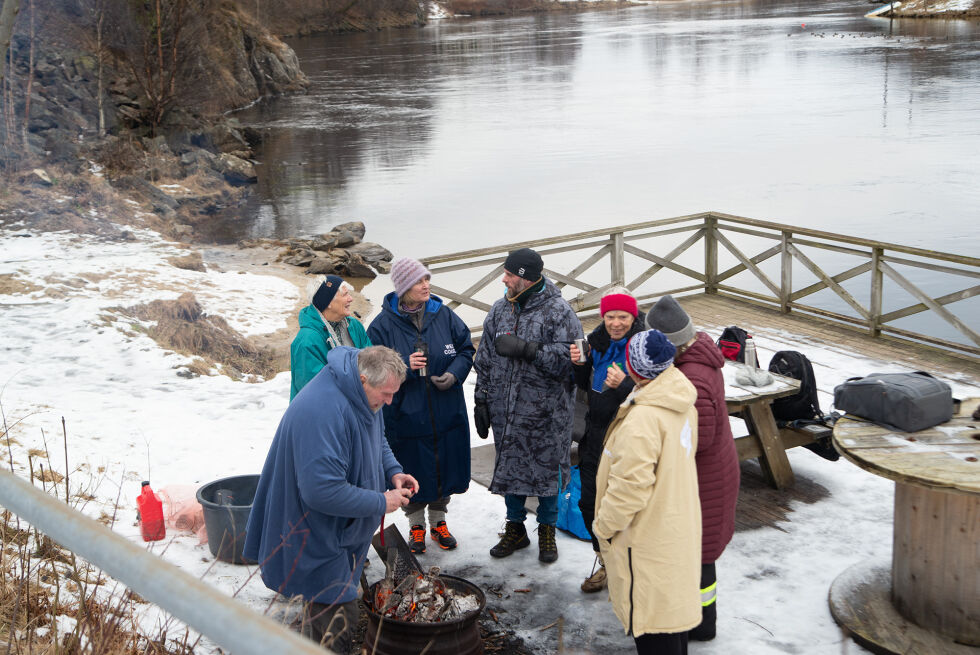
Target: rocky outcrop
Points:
(340, 251)
(86, 116)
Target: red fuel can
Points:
(151, 514)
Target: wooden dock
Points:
(759, 505)
(762, 276)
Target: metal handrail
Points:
(226, 621)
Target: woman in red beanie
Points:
(603, 376)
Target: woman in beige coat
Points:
(648, 517)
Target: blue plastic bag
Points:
(569, 515)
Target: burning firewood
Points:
(422, 598)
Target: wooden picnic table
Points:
(765, 440)
(928, 602)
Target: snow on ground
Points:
(927, 7)
(131, 417)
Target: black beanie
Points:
(524, 263)
(326, 291)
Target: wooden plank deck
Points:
(759, 505)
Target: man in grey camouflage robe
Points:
(524, 391)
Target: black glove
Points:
(481, 414)
(511, 345)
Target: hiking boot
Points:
(547, 546)
(416, 539)
(705, 631)
(514, 537)
(596, 581)
(440, 535)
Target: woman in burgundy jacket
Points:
(700, 360)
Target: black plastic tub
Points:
(227, 503)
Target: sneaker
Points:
(547, 546)
(440, 535)
(596, 581)
(514, 537)
(416, 539)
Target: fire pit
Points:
(424, 612)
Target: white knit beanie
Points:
(405, 272)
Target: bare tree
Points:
(157, 43)
(8, 16)
(30, 75)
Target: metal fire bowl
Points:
(460, 636)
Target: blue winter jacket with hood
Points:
(321, 493)
(428, 429)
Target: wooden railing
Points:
(875, 286)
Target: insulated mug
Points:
(583, 348)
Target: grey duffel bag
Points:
(906, 401)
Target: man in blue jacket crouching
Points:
(327, 481)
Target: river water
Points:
(473, 132)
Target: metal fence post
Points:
(228, 622)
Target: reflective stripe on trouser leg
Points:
(709, 594)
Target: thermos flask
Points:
(750, 359)
(423, 347)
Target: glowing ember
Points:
(424, 598)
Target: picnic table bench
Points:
(765, 440)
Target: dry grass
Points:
(10, 285)
(182, 326)
(54, 604)
(189, 262)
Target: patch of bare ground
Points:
(262, 259)
(68, 200)
(182, 326)
(11, 285)
(189, 262)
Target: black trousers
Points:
(332, 626)
(589, 452)
(662, 643)
(709, 605)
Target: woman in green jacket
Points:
(325, 323)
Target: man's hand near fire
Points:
(405, 486)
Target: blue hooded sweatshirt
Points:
(428, 429)
(321, 493)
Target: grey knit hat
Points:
(671, 319)
(405, 272)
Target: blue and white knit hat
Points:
(648, 354)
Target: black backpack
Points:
(732, 343)
(803, 405)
